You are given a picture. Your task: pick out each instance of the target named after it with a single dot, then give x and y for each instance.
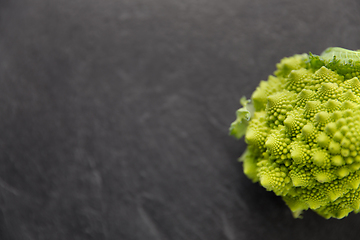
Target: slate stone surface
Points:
(115, 114)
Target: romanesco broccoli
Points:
(302, 127)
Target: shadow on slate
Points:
(115, 114)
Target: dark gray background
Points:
(114, 116)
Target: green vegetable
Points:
(302, 127)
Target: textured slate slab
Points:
(114, 116)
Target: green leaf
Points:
(243, 116)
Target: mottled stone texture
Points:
(114, 116)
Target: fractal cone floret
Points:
(302, 127)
